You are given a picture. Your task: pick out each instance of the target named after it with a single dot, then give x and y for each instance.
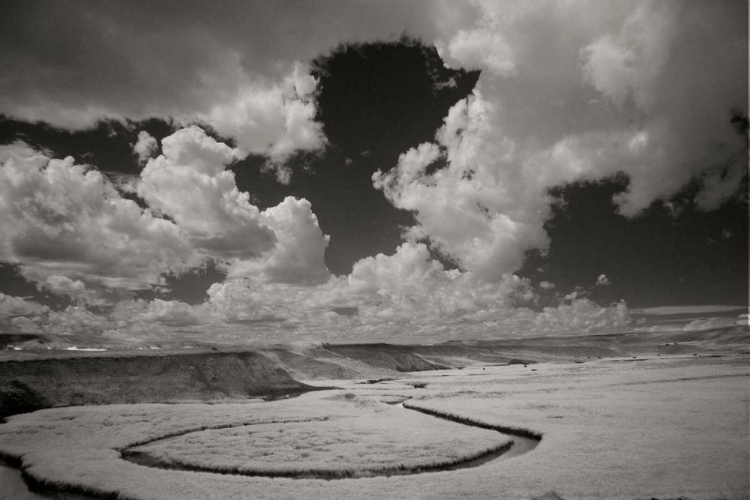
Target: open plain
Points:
(655, 424)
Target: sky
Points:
(351, 171)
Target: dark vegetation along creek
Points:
(522, 441)
(23, 487)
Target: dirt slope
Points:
(32, 384)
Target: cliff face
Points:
(33, 384)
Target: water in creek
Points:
(13, 487)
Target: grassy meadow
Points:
(625, 428)
(361, 437)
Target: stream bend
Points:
(521, 441)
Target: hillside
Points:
(31, 380)
(32, 384)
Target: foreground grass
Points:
(661, 428)
(370, 439)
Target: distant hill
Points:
(42, 378)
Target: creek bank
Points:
(521, 441)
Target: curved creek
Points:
(13, 483)
(13, 487)
(521, 442)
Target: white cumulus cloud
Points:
(11, 307)
(145, 146)
(67, 226)
(602, 280)
(190, 184)
(75, 289)
(645, 89)
(59, 218)
(547, 285)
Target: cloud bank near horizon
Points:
(75, 235)
(569, 92)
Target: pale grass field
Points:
(368, 435)
(664, 427)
